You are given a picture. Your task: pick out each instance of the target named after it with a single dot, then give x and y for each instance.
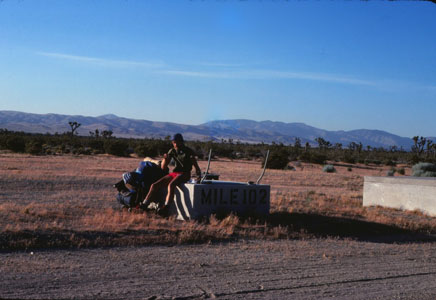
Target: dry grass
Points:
(68, 201)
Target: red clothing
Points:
(175, 174)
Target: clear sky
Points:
(336, 65)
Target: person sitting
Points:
(184, 160)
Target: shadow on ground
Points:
(327, 226)
(278, 225)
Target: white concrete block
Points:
(409, 193)
(194, 200)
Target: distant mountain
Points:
(237, 130)
(286, 133)
(121, 127)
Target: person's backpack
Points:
(130, 190)
(129, 199)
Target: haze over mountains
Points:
(237, 130)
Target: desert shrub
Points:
(16, 143)
(278, 159)
(317, 158)
(314, 158)
(116, 147)
(329, 169)
(34, 147)
(221, 150)
(414, 159)
(96, 145)
(3, 139)
(349, 159)
(389, 162)
(391, 172)
(291, 168)
(372, 161)
(198, 150)
(160, 146)
(83, 151)
(424, 170)
(304, 157)
(145, 149)
(401, 171)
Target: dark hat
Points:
(177, 138)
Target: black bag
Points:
(131, 190)
(129, 199)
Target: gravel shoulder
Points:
(284, 269)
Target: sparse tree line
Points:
(103, 141)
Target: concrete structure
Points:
(194, 200)
(408, 193)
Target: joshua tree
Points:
(106, 134)
(419, 144)
(74, 125)
(429, 148)
(297, 144)
(322, 143)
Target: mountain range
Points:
(237, 130)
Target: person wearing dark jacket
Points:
(184, 161)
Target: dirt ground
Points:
(321, 242)
(286, 269)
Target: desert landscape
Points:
(63, 236)
(338, 97)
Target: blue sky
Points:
(336, 65)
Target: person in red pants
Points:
(184, 160)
